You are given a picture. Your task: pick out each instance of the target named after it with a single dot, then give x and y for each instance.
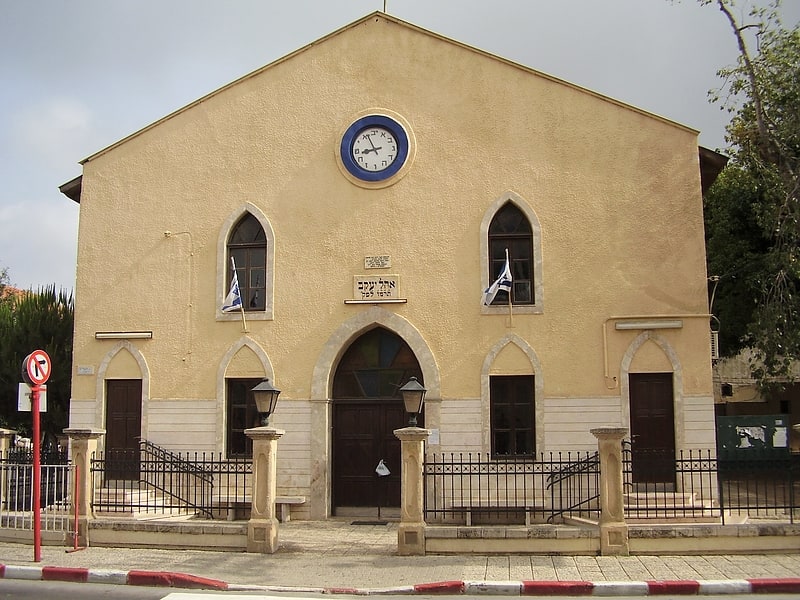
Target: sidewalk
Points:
(335, 556)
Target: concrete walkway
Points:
(335, 556)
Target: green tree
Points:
(31, 321)
(762, 93)
(737, 250)
(4, 283)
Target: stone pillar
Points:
(6, 437)
(83, 444)
(613, 529)
(411, 530)
(262, 529)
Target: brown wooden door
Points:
(123, 427)
(367, 408)
(363, 437)
(652, 428)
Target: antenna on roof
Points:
(384, 5)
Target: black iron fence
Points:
(760, 486)
(670, 487)
(474, 488)
(154, 482)
(694, 486)
(697, 485)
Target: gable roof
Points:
(72, 189)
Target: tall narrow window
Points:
(511, 230)
(511, 400)
(241, 414)
(248, 247)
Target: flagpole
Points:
(244, 321)
(241, 303)
(510, 310)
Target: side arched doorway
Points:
(367, 408)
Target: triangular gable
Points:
(355, 24)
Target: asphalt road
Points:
(59, 590)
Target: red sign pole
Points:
(35, 371)
(37, 476)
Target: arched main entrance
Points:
(367, 408)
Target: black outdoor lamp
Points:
(413, 397)
(266, 397)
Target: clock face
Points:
(374, 148)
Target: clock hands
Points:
(374, 148)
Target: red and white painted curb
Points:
(457, 587)
(80, 575)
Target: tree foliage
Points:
(737, 250)
(756, 201)
(30, 321)
(4, 283)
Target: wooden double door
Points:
(367, 409)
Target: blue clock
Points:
(374, 148)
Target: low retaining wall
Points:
(536, 539)
(25, 536)
(758, 538)
(661, 539)
(685, 539)
(189, 535)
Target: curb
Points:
(456, 587)
(81, 575)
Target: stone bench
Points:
(499, 508)
(283, 505)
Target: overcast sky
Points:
(78, 75)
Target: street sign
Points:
(35, 371)
(24, 398)
(36, 367)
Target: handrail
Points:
(148, 447)
(574, 469)
(163, 456)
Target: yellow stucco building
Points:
(368, 186)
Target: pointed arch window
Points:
(247, 244)
(510, 230)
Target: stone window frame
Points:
(223, 261)
(536, 242)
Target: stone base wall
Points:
(643, 539)
(661, 540)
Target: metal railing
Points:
(697, 485)
(693, 486)
(16, 490)
(683, 487)
(153, 482)
(476, 488)
(760, 486)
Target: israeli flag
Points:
(233, 301)
(502, 283)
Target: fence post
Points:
(262, 528)
(411, 530)
(6, 435)
(613, 529)
(83, 444)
